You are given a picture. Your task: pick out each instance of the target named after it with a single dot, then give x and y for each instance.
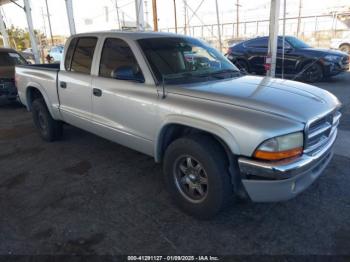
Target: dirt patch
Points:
(16, 132)
(81, 245)
(15, 181)
(21, 152)
(43, 234)
(81, 168)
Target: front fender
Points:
(207, 126)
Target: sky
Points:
(92, 15)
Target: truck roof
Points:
(130, 34)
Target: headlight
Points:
(332, 58)
(281, 147)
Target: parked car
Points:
(9, 58)
(56, 53)
(301, 60)
(217, 133)
(343, 44)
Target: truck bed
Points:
(42, 77)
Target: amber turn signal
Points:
(279, 155)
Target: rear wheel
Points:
(196, 175)
(49, 129)
(312, 72)
(345, 48)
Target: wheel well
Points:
(309, 62)
(174, 131)
(344, 44)
(32, 94)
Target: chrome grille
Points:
(319, 131)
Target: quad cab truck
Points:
(218, 134)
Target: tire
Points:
(312, 72)
(243, 66)
(345, 48)
(48, 128)
(208, 170)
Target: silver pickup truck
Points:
(218, 133)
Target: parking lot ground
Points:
(86, 195)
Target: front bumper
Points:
(272, 182)
(335, 68)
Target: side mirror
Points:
(128, 73)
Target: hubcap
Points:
(191, 179)
(312, 73)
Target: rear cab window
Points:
(80, 54)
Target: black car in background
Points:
(301, 61)
(9, 58)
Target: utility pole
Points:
(237, 18)
(218, 23)
(32, 36)
(175, 16)
(44, 22)
(106, 13)
(147, 13)
(270, 64)
(155, 15)
(299, 19)
(185, 16)
(49, 20)
(117, 8)
(139, 15)
(70, 15)
(284, 34)
(5, 37)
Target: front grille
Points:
(319, 131)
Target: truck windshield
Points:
(178, 60)
(11, 59)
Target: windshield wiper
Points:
(218, 74)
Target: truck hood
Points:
(294, 100)
(7, 72)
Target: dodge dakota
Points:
(218, 134)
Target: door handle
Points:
(97, 92)
(63, 84)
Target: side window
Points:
(69, 54)
(261, 42)
(83, 54)
(280, 44)
(116, 54)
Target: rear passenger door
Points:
(124, 108)
(74, 83)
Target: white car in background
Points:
(343, 44)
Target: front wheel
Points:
(49, 129)
(312, 72)
(196, 175)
